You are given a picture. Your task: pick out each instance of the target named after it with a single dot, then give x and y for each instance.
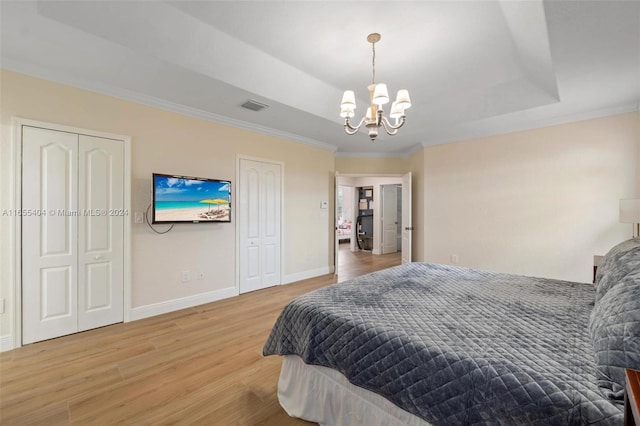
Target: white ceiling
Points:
(473, 68)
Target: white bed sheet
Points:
(322, 395)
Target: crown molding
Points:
(398, 154)
(128, 95)
(536, 124)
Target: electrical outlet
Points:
(200, 276)
(454, 259)
(186, 276)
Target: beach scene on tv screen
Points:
(184, 200)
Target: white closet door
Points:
(72, 233)
(249, 214)
(270, 229)
(259, 221)
(49, 234)
(101, 232)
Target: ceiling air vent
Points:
(254, 105)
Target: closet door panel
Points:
(271, 175)
(101, 242)
(249, 221)
(49, 234)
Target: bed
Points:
(436, 344)
(344, 229)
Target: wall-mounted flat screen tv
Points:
(187, 199)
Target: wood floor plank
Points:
(16, 386)
(54, 415)
(45, 394)
(201, 365)
(67, 349)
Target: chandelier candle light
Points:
(379, 96)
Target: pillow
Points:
(618, 262)
(615, 333)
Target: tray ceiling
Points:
(473, 68)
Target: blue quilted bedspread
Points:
(456, 346)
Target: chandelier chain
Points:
(373, 63)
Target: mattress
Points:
(322, 395)
(455, 345)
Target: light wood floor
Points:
(353, 264)
(201, 365)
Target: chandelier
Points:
(379, 96)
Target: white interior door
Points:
(336, 241)
(270, 229)
(407, 226)
(249, 221)
(389, 219)
(259, 222)
(73, 234)
(49, 235)
(101, 232)
(353, 245)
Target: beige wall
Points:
(168, 142)
(372, 165)
(416, 167)
(637, 131)
(539, 202)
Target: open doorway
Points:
(345, 218)
(373, 217)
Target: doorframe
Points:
(236, 194)
(352, 218)
(15, 223)
(358, 175)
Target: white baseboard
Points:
(6, 343)
(200, 299)
(299, 276)
(185, 302)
